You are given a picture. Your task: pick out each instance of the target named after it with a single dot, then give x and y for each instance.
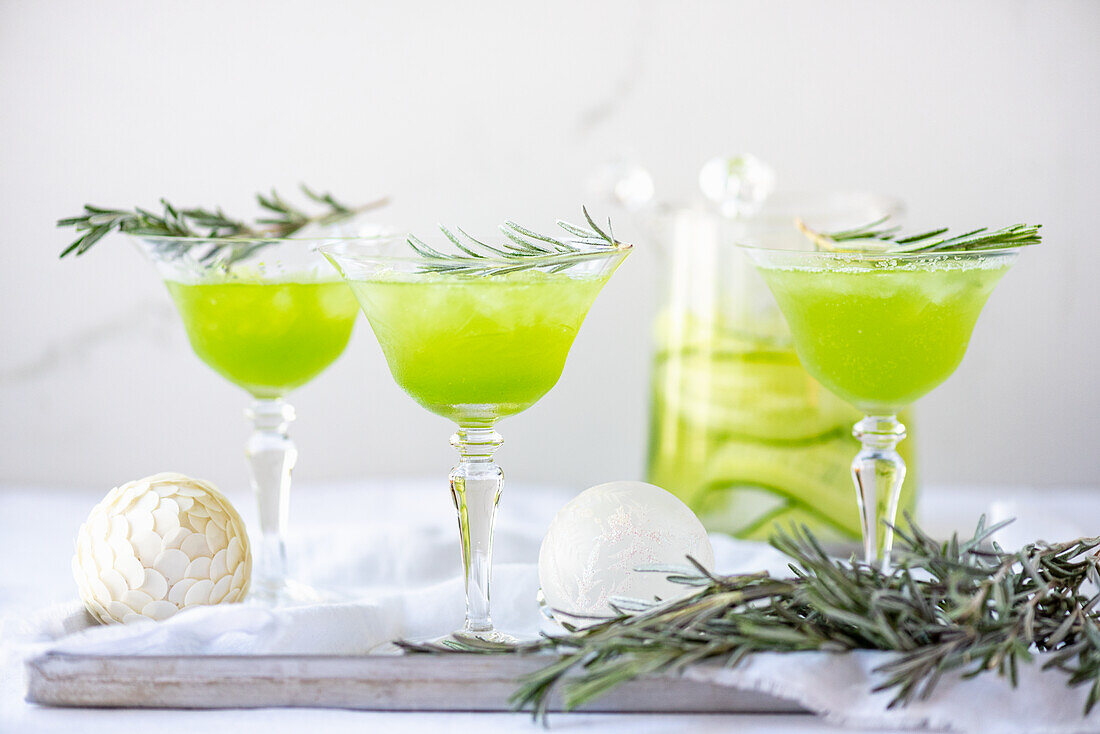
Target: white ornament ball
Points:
(160, 544)
(602, 535)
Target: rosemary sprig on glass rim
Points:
(282, 220)
(963, 605)
(521, 246)
(874, 237)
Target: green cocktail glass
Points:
(880, 330)
(266, 337)
(268, 315)
(474, 340)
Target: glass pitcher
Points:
(738, 430)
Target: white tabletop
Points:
(37, 528)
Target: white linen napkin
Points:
(413, 592)
(381, 614)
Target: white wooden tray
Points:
(369, 682)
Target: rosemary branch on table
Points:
(875, 237)
(961, 605)
(281, 219)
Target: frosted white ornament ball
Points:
(598, 539)
(157, 545)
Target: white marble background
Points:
(974, 112)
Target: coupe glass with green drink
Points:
(269, 316)
(265, 311)
(477, 332)
(880, 319)
(739, 430)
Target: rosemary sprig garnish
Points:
(874, 237)
(521, 246)
(963, 605)
(282, 220)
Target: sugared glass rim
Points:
(869, 256)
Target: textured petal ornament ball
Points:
(602, 535)
(157, 545)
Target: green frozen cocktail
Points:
(475, 347)
(738, 429)
(882, 333)
(263, 309)
(745, 436)
(881, 320)
(477, 332)
(265, 315)
(267, 337)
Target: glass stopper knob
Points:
(738, 184)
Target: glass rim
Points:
(867, 255)
(532, 261)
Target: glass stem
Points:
(878, 471)
(271, 457)
(476, 484)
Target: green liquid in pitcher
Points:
(883, 334)
(477, 348)
(269, 337)
(746, 438)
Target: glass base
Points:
(490, 636)
(467, 641)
